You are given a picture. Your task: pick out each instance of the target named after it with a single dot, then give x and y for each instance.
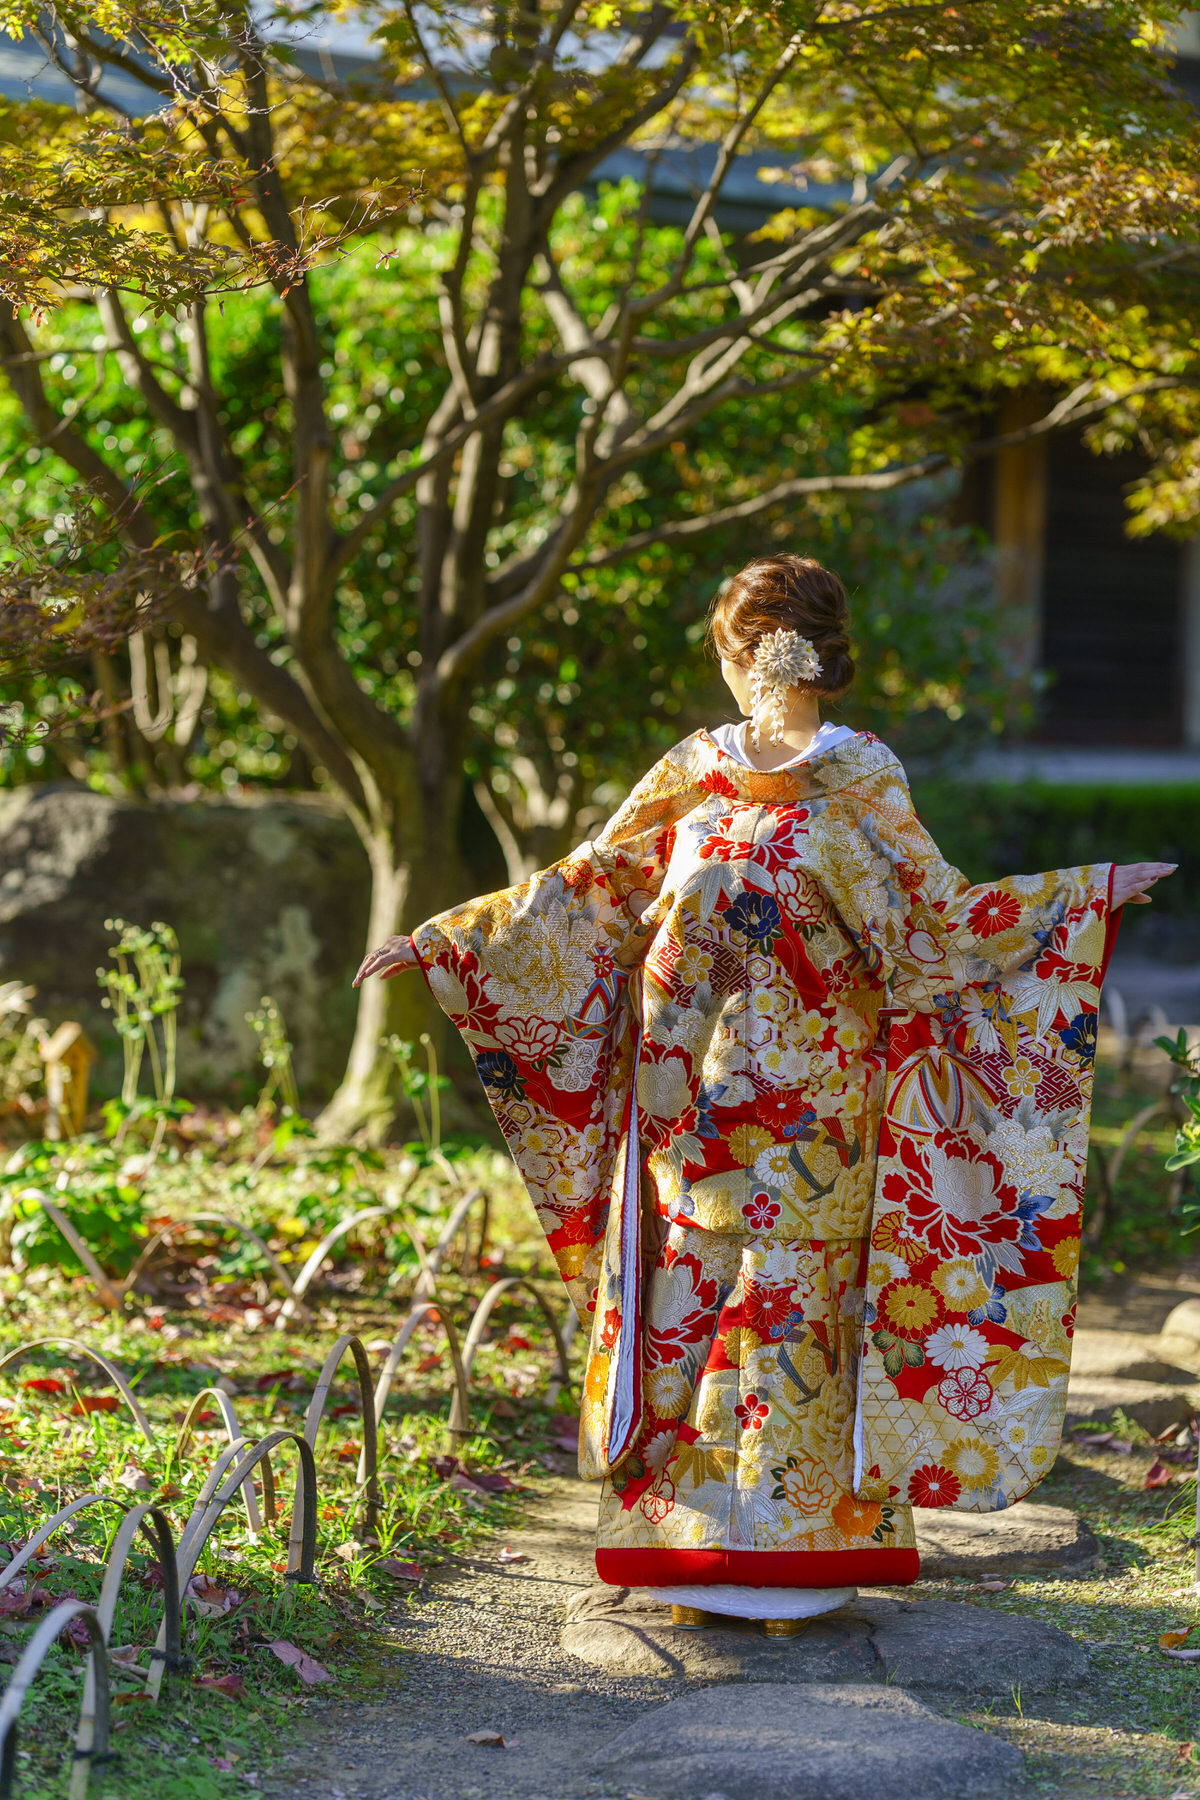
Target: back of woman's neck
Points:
(798, 734)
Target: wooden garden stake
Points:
(68, 1055)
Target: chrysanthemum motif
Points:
(782, 659)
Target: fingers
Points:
(391, 958)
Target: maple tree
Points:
(989, 195)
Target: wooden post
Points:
(68, 1055)
(1020, 529)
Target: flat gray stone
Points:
(1153, 1404)
(933, 1646)
(805, 1743)
(1023, 1540)
(947, 1648)
(629, 1632)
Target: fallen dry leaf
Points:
(994, 1584)
(306, 1667)
(97, 1403)
(209, 1598)
(1121, 1446)
(494, 1738)
(1158, 1474)
(1171, 1640)
(514, 1341)
(510, 1556)
(348, 1551)
(403, 1571)
(232, 1686)
(135, 1479)
(429, 1362)
(45, 1384)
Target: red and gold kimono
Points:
(804, 1117)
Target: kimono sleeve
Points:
(537, 979)
(925, 930)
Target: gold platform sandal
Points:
(690, 1618)
(784, 1627)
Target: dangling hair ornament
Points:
(782, 659)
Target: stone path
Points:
(587, 1685)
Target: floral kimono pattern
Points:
(804, 1117)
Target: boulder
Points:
(937, 1647)
(1125, 1356)
(1179, 1340)
(804, 1743)
(1024, 1539)
(268, 896)
(1154, 1405)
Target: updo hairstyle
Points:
(785, 593)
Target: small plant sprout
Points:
(275, 1055)
(418, 1084)
(142, 991)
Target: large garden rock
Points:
(1022, 1540)
(935, 1647)
(267, 896)
(1179, 1340)
(806, 1743)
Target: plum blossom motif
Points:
(965, 1394)
(751, 1413)
(760, 1212)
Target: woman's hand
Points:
(1130, 881)
(393, 956)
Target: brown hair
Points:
(785, 593)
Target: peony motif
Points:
(531, 1039)
(547, 962)
(809, 1489)
(856, 1518)
(682, 1304)
(956, 1197)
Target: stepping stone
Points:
(1125, 1356)
(628, 1631)
(1179, 1340)
(1022, 1540)
(946, 1647)
(936, 1646)
(806, 1743)
(1153, 1404)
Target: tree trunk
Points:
(413, 877)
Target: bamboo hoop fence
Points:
(232, 1474)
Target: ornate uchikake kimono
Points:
(804, 1117)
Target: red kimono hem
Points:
(758, 1568)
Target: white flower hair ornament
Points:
(782, 659)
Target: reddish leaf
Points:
(97, 1403)
(46, 1384)
(232, 1686)
(445, 1466)
(491, 1480)
(429, 1362)
(343, 1411)
(207, 1417)
(510, 1556)
(1158, 1474)
(403, 1571)
(514, 1341)
(349, 1453)
(276, 1378)
(305, 1666)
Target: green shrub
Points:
(988, 829)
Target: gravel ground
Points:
(487, 1657)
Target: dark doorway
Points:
(1112, 609)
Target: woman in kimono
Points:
(804, 1117)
